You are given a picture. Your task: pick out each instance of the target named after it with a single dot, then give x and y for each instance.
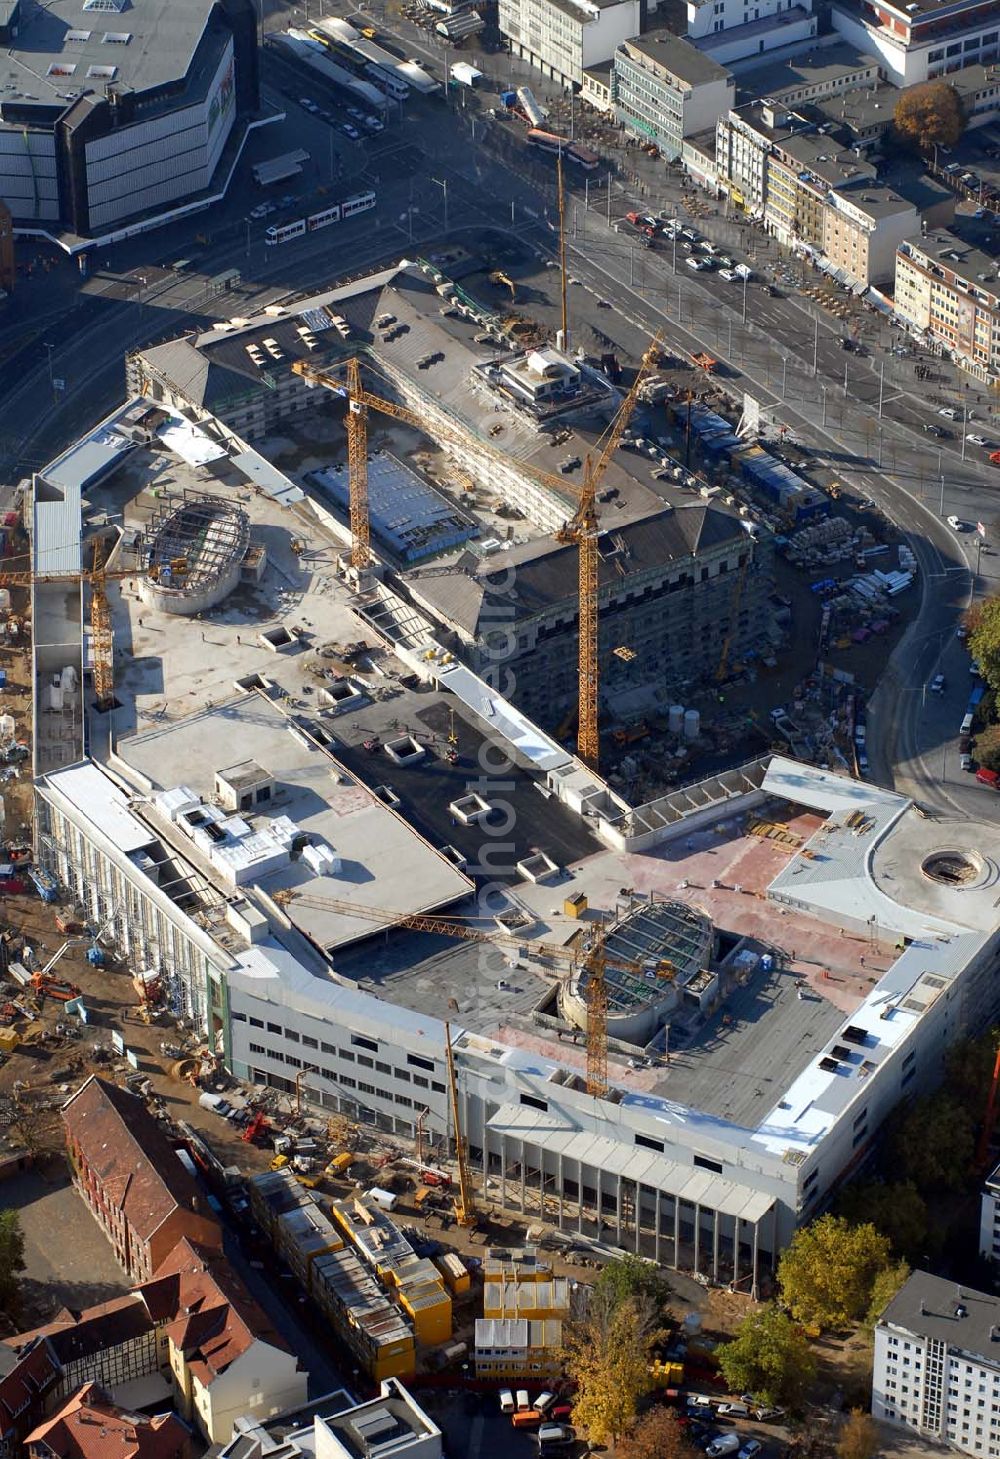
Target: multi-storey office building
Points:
(113, 111)
(921, 39)
(665, 89)
(561, 38)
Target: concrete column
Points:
(715, 1245)
(503, 1170)
(736, 1250)
(521, 1148)
(559, 1177)
(579, 1198)
(541, 1184)
(756, 1245)
(638, 1216)
(619, 1197)
(697, 1237)
(657, 1228)
(677, 1231)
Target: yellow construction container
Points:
(575, 906)
(9, 1040)
(428, 1305)
(340, 1163)
(455, 1272)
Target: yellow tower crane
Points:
(97, 576)
(587, 961)
(582, 528)
(465, 1207)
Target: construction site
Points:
(291, 792)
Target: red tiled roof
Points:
(90, 1426)
(26, 1383)
(128, 1151)
(73, 1335)
(215, 1319)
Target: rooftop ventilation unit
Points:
(852, 1034)
(830, 1066)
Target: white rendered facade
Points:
(989, 1219)
(919, 42)
(937, 1365)
(562, 37)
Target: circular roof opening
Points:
(953, 868)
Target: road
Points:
(862, 416)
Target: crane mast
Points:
(357, 466)
(465, 1209)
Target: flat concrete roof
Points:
(146, 46)
(386, 864)
(678, 56)
(821, 66)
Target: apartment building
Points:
(937, 1364)
(90, 1425)
(745, 137)
(28, 1380)
(191, 1338)
(919, 39)
(131, 1178)
(801, 171)
(665, 89)
(947, 288)
(224, 1356)
(561, 38)
(863, 227)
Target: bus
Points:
(338, 213)
(386, 81)
(549, 142)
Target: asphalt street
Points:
(445, 170)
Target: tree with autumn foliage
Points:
(929, 114)
(859, 1437)
(657, 1435)
(607, 1358)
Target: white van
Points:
(522, 1398)
(966, 726)
(506, 1401)
(734, 1410)
(544, 1401)
(724, 1444)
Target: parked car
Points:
(978, 441)
(350, 131)
(988, 777)
(698, 264)
(937, 684)
(949, 412)
(965, 762)
(555, 1436)
(938, 432)
(724, 1444)
(506, 1401)
(750, 1448)
(727, 274)
(955, 524)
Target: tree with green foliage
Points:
(631, 1279)
(984, 640)
(929, 114)
(769, 1357)
(931, 1142)
(607, 1358)
(884, 1288)
(828, 1272)
(988, 747)
(899, 1211)
(11, 1258)
(968, 1066)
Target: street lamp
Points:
(443, 185)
